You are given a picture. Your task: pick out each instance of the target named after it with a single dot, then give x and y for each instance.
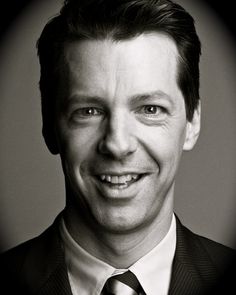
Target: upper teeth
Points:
(116, 179)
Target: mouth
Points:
(119, 181)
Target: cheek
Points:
(78, 144)
(163, 144)
(74, 155)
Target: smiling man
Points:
(121, 127)
(120, 103)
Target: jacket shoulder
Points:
(28, 265)
(14, 258)
(214, 261)
(218, 253)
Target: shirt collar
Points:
(88, 274)
(154, 269)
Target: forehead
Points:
(145, 63)
(145, 47)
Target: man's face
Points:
(121, 129)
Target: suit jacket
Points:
(37, 266)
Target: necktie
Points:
(123, 284)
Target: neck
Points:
(119, 250)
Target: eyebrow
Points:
(83, 99)
(149, 95)
(86, 98)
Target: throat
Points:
(118, 250)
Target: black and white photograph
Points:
(118, 147)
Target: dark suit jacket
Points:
(38, 266)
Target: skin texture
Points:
(121, 113)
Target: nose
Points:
(118, 140)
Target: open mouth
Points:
(119, 181)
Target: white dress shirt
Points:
(87, 274)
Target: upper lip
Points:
(122, 172)
(111, 170)
(118, 173)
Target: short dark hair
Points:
(119, 20)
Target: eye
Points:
(150, 110)
(88, 112)
(85, 115)
(151, 114)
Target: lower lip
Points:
(119, 191)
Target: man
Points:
(120, 103)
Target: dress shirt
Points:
(87, 274)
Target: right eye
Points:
(87, 112)
(86, 115)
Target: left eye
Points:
(151, 110)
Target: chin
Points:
(121, 224)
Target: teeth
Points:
(125, 178)
(115, 179)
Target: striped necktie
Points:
(123, 284)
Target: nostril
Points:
(118, 139)
(117, 147)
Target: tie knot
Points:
(123, 284)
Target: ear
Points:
(193, 129)
(50, 140)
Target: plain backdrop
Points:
(31, 180)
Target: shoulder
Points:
(212, 260)
(19, 253)
(217, 252)
(26, 265)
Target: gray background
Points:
(31, 182)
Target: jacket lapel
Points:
(45, 267)
(192, 271)
(57, 283)
(185, 280)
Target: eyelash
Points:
(156, 111)
(84, 112)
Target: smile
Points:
(119, 181)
